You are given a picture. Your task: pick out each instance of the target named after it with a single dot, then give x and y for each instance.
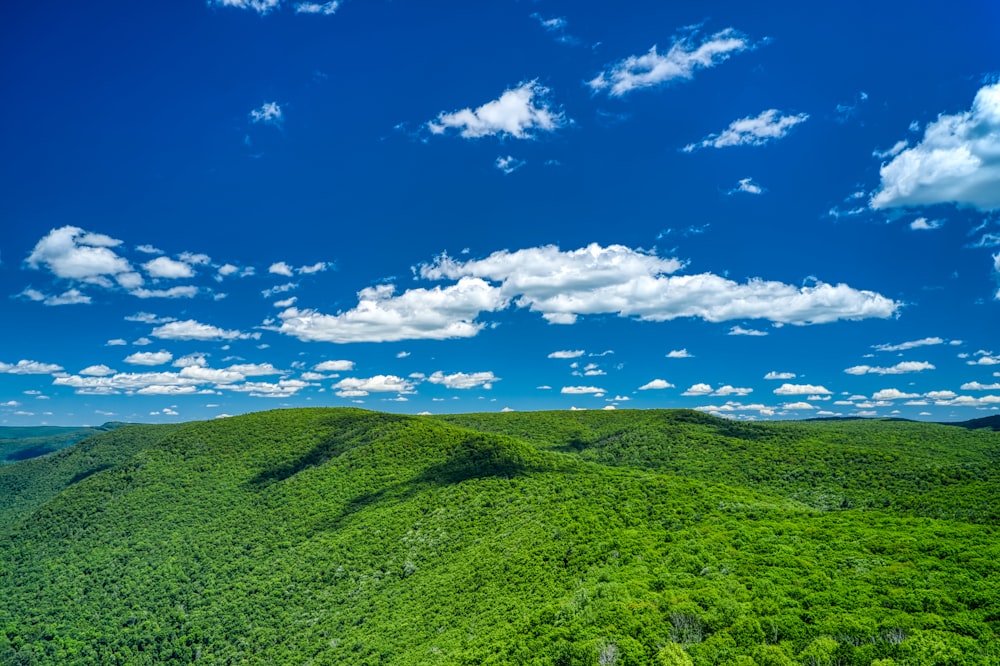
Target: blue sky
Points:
(780, 211)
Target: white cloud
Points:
(656, 385)
(164, 267)
(893, 394)
(733, 406)
(747, 186)
(402, 354)
(97, 371)
(679, 353)
(116, 342)
(976, 386)
(173, 292)
(380, 316)
(780, 375)
(69, 297)
(74, 254)
(755, 131)
(519, 112)
(923, 224)
(680, 62)
(552, 25)
(269, 113)
(752, 332)
(255, 369)
(797, 405)
(732, 390)
(984, 358)
(148, 249)
(283, 388)
(958, 160)
(698, 389)
(279, 289)
(149, 358)
(567, 353)
(583, 390)
(318, 267)
(462, 380)
(633, 283)
(323, 8)
(801, 389)
(280, 268)
(896, 149)
(259, 6)
(190, 360)
(25, 367)
(228, 269)
(352, 387)
(912, 344)
(286, 303)
(898, 369)
(509, 164)
(334, 366)
(192, 330)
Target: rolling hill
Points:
(342, 536)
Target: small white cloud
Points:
(148, 249)
(149, 358)
(656, 385)
(896, 149)
(322, 8)
(286, 303)
(898, 369)
(173, 292)
(318, 267)
(97, 371)
(509, 164)
(268, 113)
(679, 353)
(115, 342)
(893, 394)
(752, 332)
(568, 353)
(279, 289)
(923, 224)
(259, 6)
(353, 387)
(402, 354)
(582, 390)
(801, 389)
(699, 390)
(334, 366)
(25, 367)
(780, 375)
(191, 360)
(194, 330)
(912, 344)
(797, 405)
(280, 268)
(746, 186)
(958, 161)
(680, 62)
(166, 268)
(756, 131)
(519, 112)
(69, 297)
(462, 380)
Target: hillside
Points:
(21, 443)
(341, 536)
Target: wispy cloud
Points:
(260, 6)
(681, 61)
(323, 8)
(508, 164)
(900, 368)
(751, 131)
(269, 113)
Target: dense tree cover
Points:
(332, 536)
(21, 443)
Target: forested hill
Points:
(342, 536)
(21, 443)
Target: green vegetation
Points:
(22, 443)
(341, 536)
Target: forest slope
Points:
(340, 536)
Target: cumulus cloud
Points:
(801, 389)
(751, 131)
(706, 389)
(912, 344)
(563, 285)
(567, 353)
(656, 385)
(893, 394)
(74, 254)
(280, 268)
(97, 371)
(780, 375)
(681, 61)
(26, 367)
(69, 297)
(679, 353)
(958, 161)
(259, 6)
(923, 224)
(268, 113)
(977, 386)
(583, 390)
(519, 112)
(698, 389)
(462, 380)
(149, 358)
(900, 368)
(352, 387)
(732, 406)
(431, 314)
(334, 366)
(190, 329)
(164, 267)
(797, 405)
(747, 186)
(752, 332)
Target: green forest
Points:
(630, 537)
